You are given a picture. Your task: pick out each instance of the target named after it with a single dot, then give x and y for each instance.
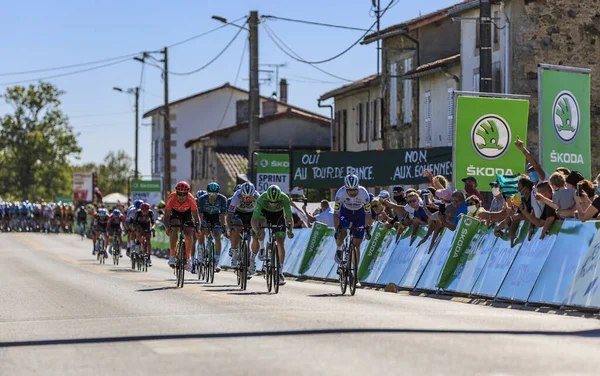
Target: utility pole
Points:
(167, 124)
(254, 95)
(137, 128)
(485, 46)
(378, 30)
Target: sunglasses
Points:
(182, 194)
(413, 201)
(351, 190)
(471, 204)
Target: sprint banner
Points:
(564, 118)
(486, 129)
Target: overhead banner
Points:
(486, 129)
(83, 189)
(564, 118)
(272, 169)
(311, 169)
(146, 190)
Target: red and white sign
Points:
(83, 186)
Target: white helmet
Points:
(351, 181)
(247, 189)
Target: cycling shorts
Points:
(213, 221)
(356, 218)
(242, 218)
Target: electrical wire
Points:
(237, 75)
(274, 39)
(347, 49)
(203, 34)
(213, 60)
(64, 74)
(99, 115)
(314, 23)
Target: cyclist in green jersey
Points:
(273, 208)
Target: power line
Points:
(347, 49)
(203, 34)
(314, 23)
(99, 115)
(237, 75)
(213, 60)
(151, 93)
(274, 39)
(64, 74)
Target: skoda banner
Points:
(146, 190)
(272, 169)
(564, 118)
(486, 129)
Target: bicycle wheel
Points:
(353, 269)
(238, 266)
(244, 265)
(268, 267)
(343, 271)
(180, 264)
(211, 262)
(276, 270)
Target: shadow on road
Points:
(330, 295)
(595, 333)
(158, 289)
(250, 293)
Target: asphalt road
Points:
(63, 314)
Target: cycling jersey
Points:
(176, 206)
(263, 204)
(130, 213)
(218, 207)
(358, 202)
(81, 215)
(239, 205)
(143, 220)
(116, 220)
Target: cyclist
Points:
(212, 208)
(239, 213)
(115, 222)
(37, 216)
(70, 217)
(273, 208)
(180, 209)
(100, 224)
(235, 189)
(199, 238)
(57, 217)
(352, 206)
(129, 225)
(47, 215)
(143, 221)
(82, 218)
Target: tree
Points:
(113, 173)
(36, 142)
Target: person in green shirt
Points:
(273, 208)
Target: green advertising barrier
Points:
(466, 230)
(564, 118)
(311, 169)
(486, 129)
(401, 256)
(375, 251)
(272, 169)
(421, 259)
(314, 247)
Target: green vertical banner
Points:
(564, 118)
(374, 250)
(466, 230)
(486, 129)
(317, 235)
(272, 169)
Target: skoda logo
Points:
(264, 163)
(566, 117)
(135, 185)
(490, 136)
(468, 221)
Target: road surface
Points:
(63, 314)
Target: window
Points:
(477, 37)
(193, 163)
(428, 131)
(173, 168)
(450, 124)
(476, 80)
(343, 131)
(368, 125)
(173, 130)
(393, 95)
(336, 129)
(361, 123)
(496, 78)
(496, 33)
(377, 131)
(173, 143)
(407, 93)
(205, 162)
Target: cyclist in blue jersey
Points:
(212, 209)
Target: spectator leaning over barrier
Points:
(398, 194)
(548, 214)
(325, 216)
(563, 200)
(498, 200)
(586, 207)
(573, 178)
(474, 206)
(563, 170)
(438, 181)
(458, 201)
(471, 187)
(413, 211)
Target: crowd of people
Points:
(41, 216)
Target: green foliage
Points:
(112, 174)
(36, 142)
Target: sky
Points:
(41, 34)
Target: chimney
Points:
(283, 94)
(242, 111)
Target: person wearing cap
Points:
(534, 170)
(398, 195)
(573, 178)
(471, 187)
(498, 200)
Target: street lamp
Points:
(224, 20)
(136, 92)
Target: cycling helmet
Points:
(213, 187)
(351, 181)
(102, 212)
(200, 193)
(138, 203)
(116, 212)
(182, 187)
(273, 193)
(145, 207)
(236, 188)
(247, 189)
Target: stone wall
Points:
(560, 32)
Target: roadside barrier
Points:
(561, 270)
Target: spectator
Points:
(438, 181)
(414, 210)
(534, 169)
(474, 206)
(563, 200)
(471, 187)
(588, 187)
(573, 178)
(458, 201)
(498, 201)
(325, 216)
(385, 194)
(563, 170)
(398, 193)
(586, 208)
(548, 215)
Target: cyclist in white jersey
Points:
(130, 226)
(352, 207)
(240, 212)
